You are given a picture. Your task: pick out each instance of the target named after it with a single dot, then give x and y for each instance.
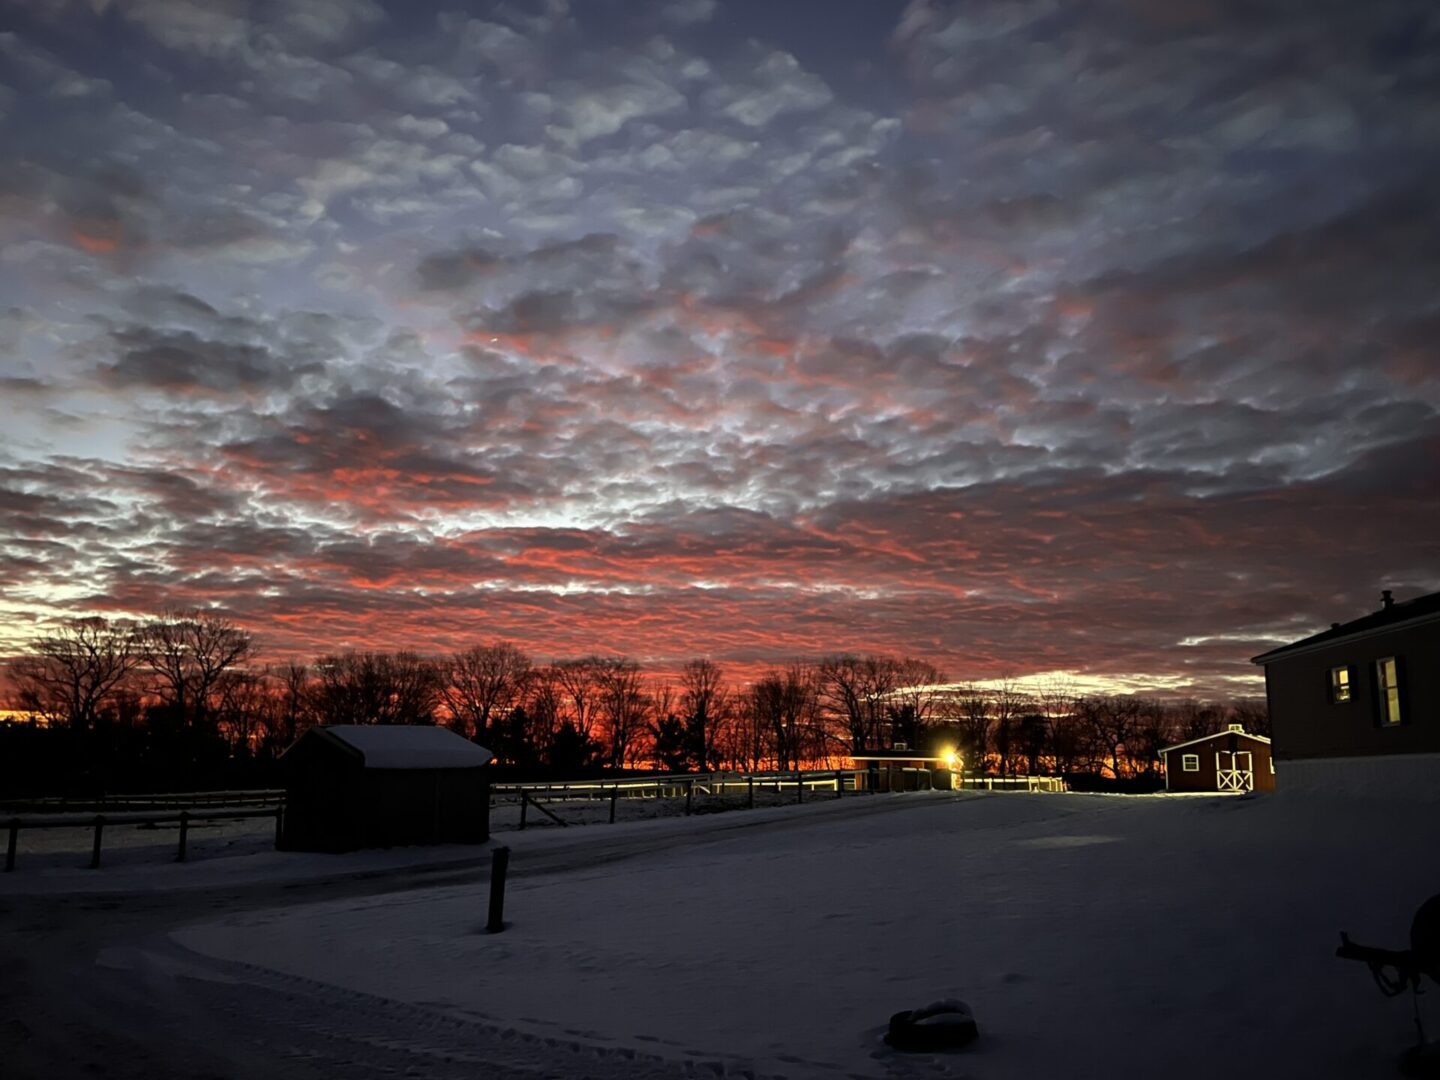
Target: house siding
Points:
(1307, 724)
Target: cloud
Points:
(671, 328)
(183, 362)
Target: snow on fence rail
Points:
(97, 822)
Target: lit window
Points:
(1190, 762)
(1387, 681)
(1339, 684)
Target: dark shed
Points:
(357, 786)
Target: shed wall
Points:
(1206, 779)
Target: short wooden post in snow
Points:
(95, 850)
(499, 862)
(524, 799)
(11, 844)
(750, 783)
(184, 835)
(799, 786)
(614, 797)
(689, 796)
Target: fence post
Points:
(184, 834)
(524, 800)
(839, 784)
(750, 782)
(799, 786)
(95, 851)
(689, 796)
(614, 796)
(10, 845)
(279, 826)
(498, 864)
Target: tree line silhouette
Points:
(184, 699)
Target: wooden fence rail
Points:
(98, 822)
(682, 785)
(177, 800)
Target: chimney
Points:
(1385, 599)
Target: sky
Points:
(1021, 336)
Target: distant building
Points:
(901, 770)
(1357, 707)
(358, 786)
(1232, 760)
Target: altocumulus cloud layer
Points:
(1021, 335)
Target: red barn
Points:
(1227, 761)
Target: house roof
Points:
(1216, 735)
(1419, 608)
(403, 746)
(896, 755)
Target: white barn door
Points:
(1234, 770)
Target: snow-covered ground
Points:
(1093, 936)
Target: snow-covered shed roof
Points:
(404, 746)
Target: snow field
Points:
(1093, 936)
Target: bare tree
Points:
(623, 705)
(483, 684)
(70, 676)
(1195, 719)
(1006, 704)
(1112, 722)
(244, 710)
(705, 702)
(1033, 732)
(782, 703)
(293, 708)
(187, 654)
(544, 708)
(856, 691)
(376, 688)
(1068, 740)
(916, 698)
(1155, 728)
(1253, 715)
(973, 719)
(578, 680)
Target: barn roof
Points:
(404, 746)
(1392, 614)
(1216, 735)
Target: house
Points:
(901, 769)
(1232, 760)
(359, 786)
(1357, 707)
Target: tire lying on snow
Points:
(941, 1025)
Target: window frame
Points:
(1189, 762)
(1388, 693)
(1342, 690)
